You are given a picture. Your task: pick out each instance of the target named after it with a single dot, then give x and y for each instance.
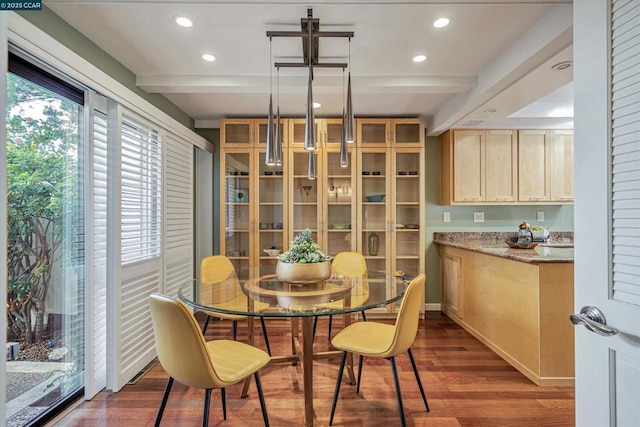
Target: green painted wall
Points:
(213, 135)
(497, 218)
(57, 28)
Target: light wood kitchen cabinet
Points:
(478, 167)
(451, 277)
(561, 165)
(382, 132)
(545, 162)
(328, 132)
(265, 207)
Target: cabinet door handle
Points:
(566, 197)
(536, 198)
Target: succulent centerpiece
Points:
(304, 262)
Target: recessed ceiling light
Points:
(562, 65)
(419, 58)
(490, 110)
(317, 105)
(208, 57)
(441, 22)
(183, 21)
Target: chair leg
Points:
(234, 328)
(256, 375)
(396, 380)
(206, 323)
(207, 405)
(167, 390)
(360, 361)
(266, 337)
(337, 390)
(330, 322)
(364, 316)
(315, 324)
(223, 396)
(415, 371)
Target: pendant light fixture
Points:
(344, 154)
(269, 158)
(310, 129)
(350, 122)
(278, 130)
(312, 167)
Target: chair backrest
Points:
(216, 268)
(406, 326)
(180, 346)
(349, 264)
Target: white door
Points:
(607, 227)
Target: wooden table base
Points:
(302, 352)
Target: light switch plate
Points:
(478, 217)
(540, 216)
(446, 216)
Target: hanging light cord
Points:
(270, 67)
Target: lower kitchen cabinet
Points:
(520, 310)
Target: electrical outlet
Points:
(446, 216)
(478, 217)
(540, 216)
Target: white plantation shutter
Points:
(96, 366)
(625, 149)
(141, 169)
(138, 274)
(178, 208)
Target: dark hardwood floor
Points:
(465, 382)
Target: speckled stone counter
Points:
(559, 248)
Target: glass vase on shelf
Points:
(373, 244)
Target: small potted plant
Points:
(304, 262)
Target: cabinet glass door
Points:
(297, 129)
(406, 132)
(339, 219)
(372, 132)
(237, 132)
(237, 212)
(261, 132)
(304, 194)
(270, 215)
(374, 217)
(406, 213)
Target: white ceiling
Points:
(493, 55)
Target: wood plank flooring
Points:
(465, 382)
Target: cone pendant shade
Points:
(309, 129)
(349, 124)
(311, 167)
(269, 158)
(278, 141)
(344, 153)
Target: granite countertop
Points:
(559, 249)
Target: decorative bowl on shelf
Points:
(341, 226)
(272, 252)
(376, 173)
(402, 173)
(412, 226)
(516, 245)
(413, 172)
(366, 172)
(375, 198)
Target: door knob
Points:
(593, 319)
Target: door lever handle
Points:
(593, 319)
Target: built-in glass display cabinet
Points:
(374, 206)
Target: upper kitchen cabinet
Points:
(248, 132)
(328, 132)
(384, 132)
(545, 162)
(478, 167)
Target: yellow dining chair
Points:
(189, 359)
(219, 269)
(380, 340)
(348, 264)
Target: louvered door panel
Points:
(625, 135)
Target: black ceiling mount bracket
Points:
(310, 36)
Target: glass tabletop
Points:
(245, 293)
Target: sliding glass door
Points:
(46, 243)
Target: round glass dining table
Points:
(259, 293)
